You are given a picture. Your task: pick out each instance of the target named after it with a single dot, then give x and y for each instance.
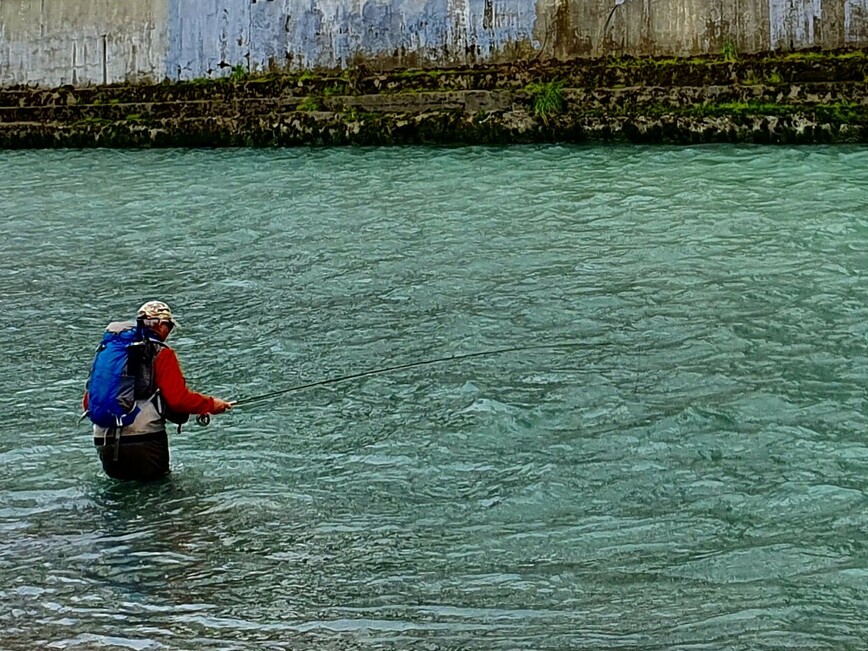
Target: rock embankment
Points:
(805, 97)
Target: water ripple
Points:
(693, 478)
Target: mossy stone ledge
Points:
(801, 97)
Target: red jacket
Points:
(173, 387)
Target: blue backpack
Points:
(111, 385)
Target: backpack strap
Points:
(144, 371)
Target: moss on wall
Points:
(804, 97)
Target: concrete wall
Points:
(329, 33)
(50, 42)
(78, 41)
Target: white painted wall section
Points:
(209, 37)
(791, 22)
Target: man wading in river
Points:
(135, 386)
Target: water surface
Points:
(693, 476)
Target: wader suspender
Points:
(157, 399)
(117, 434)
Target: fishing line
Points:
(400, 367)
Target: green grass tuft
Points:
(239, 73)
(310, 103)
(729, 52)
(548, 98)
(335, 89)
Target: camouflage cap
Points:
(155, 311)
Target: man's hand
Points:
(222, 405)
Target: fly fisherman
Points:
(135, 386)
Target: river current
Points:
(691, 473)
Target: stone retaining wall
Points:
(809, 97)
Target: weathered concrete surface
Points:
(812, 97)
(53, 42)
(205, 38)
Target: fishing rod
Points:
(401, 367)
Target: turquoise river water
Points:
(692, 476)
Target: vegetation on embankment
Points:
(794, 97)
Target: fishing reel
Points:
(203, 420)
